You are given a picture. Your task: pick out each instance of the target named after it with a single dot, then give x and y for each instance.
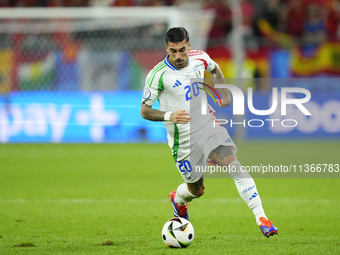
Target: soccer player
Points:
(191, 135)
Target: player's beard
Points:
(181, 63)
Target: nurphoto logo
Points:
(238, 103)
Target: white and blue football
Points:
(178, 233)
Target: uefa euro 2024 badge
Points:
(146, 93)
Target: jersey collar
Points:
(167, 62)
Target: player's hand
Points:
(180, 117)
(225, 102)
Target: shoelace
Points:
(266, 222)
(182, 209)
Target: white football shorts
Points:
(193, 155)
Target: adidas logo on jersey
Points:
(177, 83)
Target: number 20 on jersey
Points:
(194, 88)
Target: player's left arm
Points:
(217, 77)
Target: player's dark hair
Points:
(176, 35)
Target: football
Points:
(178, 233)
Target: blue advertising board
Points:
(324, 121)
(76, 117)
(115, 117)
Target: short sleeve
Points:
(210, 63)
(153, 86)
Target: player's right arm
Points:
(154, 87)
(178, 117)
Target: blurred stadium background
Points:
(82, 179)
(73, 71)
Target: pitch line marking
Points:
(161, 201)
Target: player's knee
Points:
(223, 155)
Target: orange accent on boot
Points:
(182, 209)
(266, 222)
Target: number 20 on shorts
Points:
(184, 166)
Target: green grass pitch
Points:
(113, 199)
